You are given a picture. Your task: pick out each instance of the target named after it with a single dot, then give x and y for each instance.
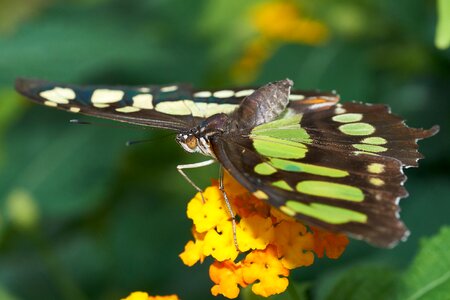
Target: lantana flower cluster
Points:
(269, 243)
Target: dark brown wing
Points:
(173, 107)
(312, 166)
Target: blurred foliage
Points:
(108, 220)
(442, 39)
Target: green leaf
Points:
(442, 39)
(65, 168)
(364, 282)
(429, 275)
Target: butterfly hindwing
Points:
(307, 166)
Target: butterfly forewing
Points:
(176, 107)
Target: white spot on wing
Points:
(101, 105)
(144, 101)
(58, 95)
(224, 94)
(51, 103)
(144, 89)
(340, 110)
(74, 109)
(294, 97)
(107, 96)
(169, 88)
(244, 93)
(127, 109)
(179, 107)
(203, 94)
(196, 109)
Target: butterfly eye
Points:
(191, 142)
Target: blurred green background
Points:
(84, 217)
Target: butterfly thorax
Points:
(198, 139)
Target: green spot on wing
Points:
(293, 166)
(280, 123)
(330, 190)
(376, 140)
(347, 118)
(327, 213)
(264, 169)
(357, 129)
(370, 148)
(273, 147)
(285, 129)
(282, 185)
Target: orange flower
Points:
(265, 267)
(270, 242)
(145, 296)
(227, 277)
(333, 244)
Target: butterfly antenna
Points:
(83, 122)
(161, 137)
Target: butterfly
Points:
(335, 166)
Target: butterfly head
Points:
(198, 139)
(192, 141)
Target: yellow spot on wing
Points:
(203, 94)
(287, 210)
(260, 195)
(171, 88)
(293, 97)
(58, 95)
(179, 107)
(74, 109)
(107, 96)
(100, 105)
(376, 181)
(127, 109)
(144, 101)
(224, 94)
(51, 103)
(244, 93)
(375, 168)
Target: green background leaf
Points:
(112, 218)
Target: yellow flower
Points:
(208, 214)
(293, 235)
(274, 23)
(227, 277)
(254, 232)
(145, 296)
(219, 242)
(265, 267)
(269, 242)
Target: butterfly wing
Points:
(338, 168)
(173, 107)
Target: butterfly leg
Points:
(230, 210)
(180, 169)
